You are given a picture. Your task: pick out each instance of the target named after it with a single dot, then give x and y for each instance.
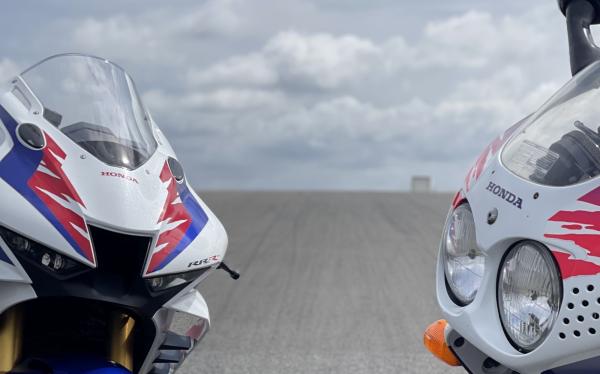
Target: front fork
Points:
(11, 339)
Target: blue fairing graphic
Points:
(4, 257)
(70, 365)
(199, 220)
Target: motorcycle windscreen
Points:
(95, 103)
(561, 144)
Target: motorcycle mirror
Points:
(580, 14)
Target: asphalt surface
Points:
(332, 282)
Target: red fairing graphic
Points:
(487, 154)
(458, 199)
(50, 183)
(582, 227)
(174, 217)
(571, 267)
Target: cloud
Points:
(253, 69)
(297, 94)
(323, 60)
(223, 99)
(155, 35)
(474, 40)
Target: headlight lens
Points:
(164, 282)
(41, 256)
(464, 264)
(529, 294)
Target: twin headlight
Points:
(529, 287)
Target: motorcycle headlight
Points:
(464, 263)
(43, 257)
(164, 282)
(529, 294)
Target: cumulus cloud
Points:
(223, 99)
(323, 60)
(151, 34)
(321, 101)
(253, 69)
(296, 94)
(474, 40)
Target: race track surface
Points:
(332, 282)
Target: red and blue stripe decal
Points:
(38, 176)
(184, 218)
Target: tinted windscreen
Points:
(95, 103)
(561, 144)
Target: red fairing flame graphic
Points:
(459, 197)
(174, 218)
(50, 183)
(489, 152)
(574, 222)
(571, 267)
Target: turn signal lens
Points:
(434, 340)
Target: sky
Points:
(314, 94)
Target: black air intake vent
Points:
(120, 258)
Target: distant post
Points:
(421, 183)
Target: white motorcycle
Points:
(102, 239)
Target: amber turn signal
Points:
(435, 341)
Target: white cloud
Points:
(474, 40)
(156, 35)
(253, 69)
(324, 59)
(223, 99)
(321, 60)
(291, 93)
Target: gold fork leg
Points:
(11, 334)
(121, 343)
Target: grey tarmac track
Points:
(332, 282)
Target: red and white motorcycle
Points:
(518, 273)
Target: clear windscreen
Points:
(561, 144)
(95, 103)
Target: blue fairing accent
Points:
(17, 167)
(4, 257)
(70, 365)
(199, 220)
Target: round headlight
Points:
(529, 294)
(464, 264)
